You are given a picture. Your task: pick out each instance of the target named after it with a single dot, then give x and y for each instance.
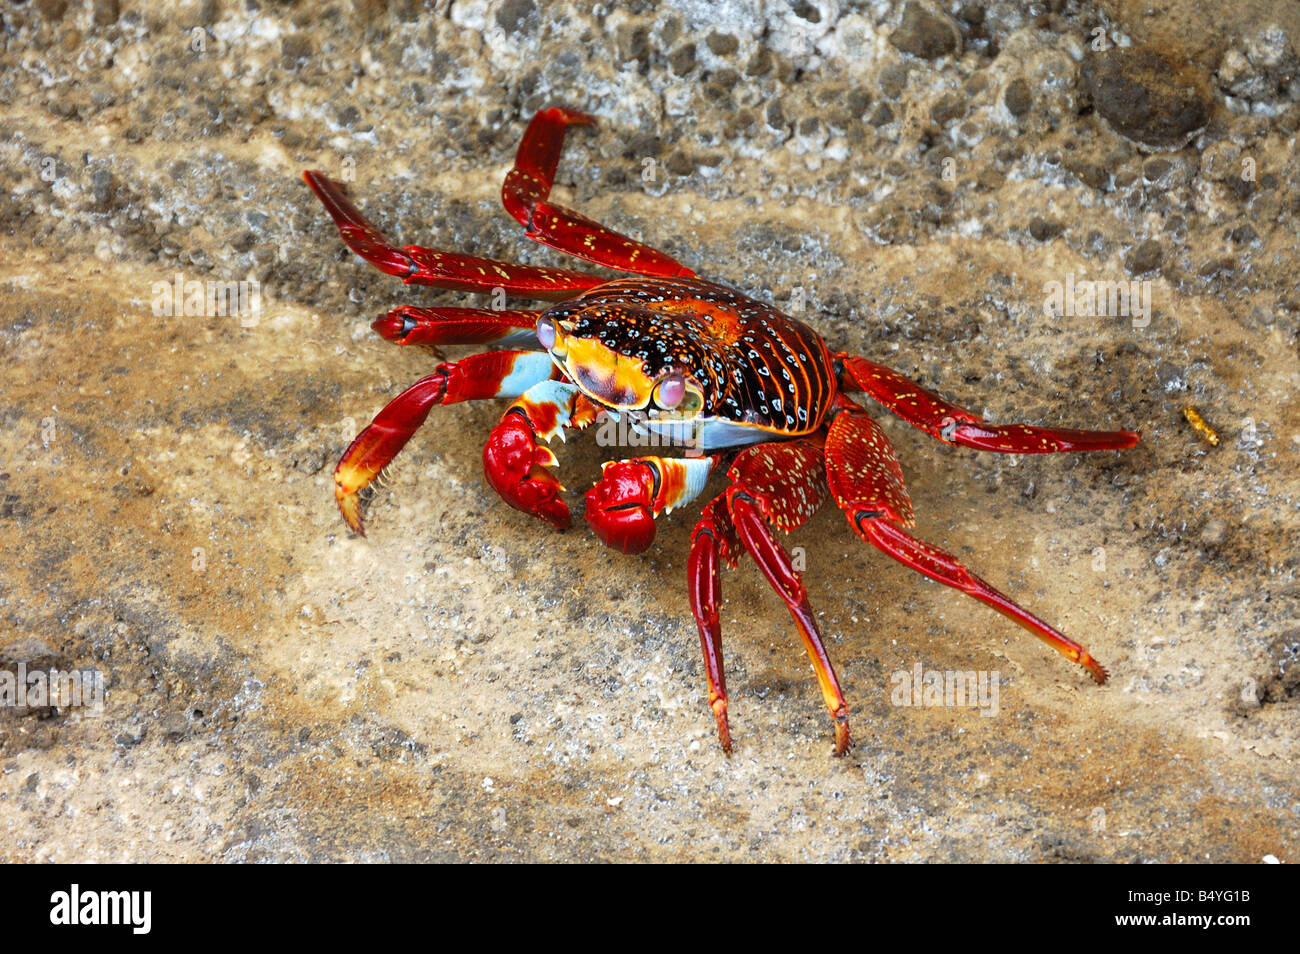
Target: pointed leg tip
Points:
(1095, 669)
(350, 507)
(719, 707)
(354, 523)
(576, 117)
(843, 741)
(320, 183)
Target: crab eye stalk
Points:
(546, 332)
(670, 392)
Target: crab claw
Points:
(516, 468)
(620, 506)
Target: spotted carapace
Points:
(725, 382)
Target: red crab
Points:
(695, 364)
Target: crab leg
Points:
(623, 504)
(417, 265)
(953, 424)
(495, 374)
(528, 185)
(866, 482)
(781, 485)
(516, 466)
(409, 325)
(712, 539)
(940, 565)
(775, 564)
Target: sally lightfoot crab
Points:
(698, 366)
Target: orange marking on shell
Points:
(725, 325)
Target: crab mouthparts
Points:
(608, 377)
(606, 386)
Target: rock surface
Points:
(464, 684)
(925, 32)
(1148, 96)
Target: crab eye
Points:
(546, 332)
(671, 391)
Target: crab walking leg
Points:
(417, 265)
(947, 569)
(623, 504)
(431, 327)
(953, 424)
(775, 564)
(712, 539)
(516, 467)
(866, 482)
(862, 470)
(495, 374)
(782, 485)
(528, 185)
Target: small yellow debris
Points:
(1194, 418)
